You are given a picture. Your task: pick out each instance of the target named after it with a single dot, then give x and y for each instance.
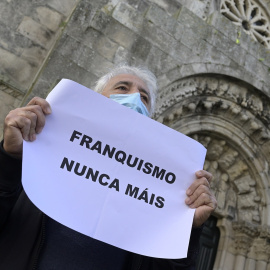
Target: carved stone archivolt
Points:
(251, 15)
(232, 120)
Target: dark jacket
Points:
(22, 228)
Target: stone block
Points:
(178, 31)
(252, 78)
(243, 38)
(13, 41)
(12, 91)
(36, 32)
(170, 6)
(6, 10)
(174, 74)
(133, 3)
(83, 56)
(163, 81)
(120, 34)
(253, 46)
(86, 57)
(128, 16)
(263, 55)
(211, 55)
(183, 54)
(227, 46)
(223, 25)
(143, 6)
(190, 38)
(100, 21)
(262, 71)
(87, 36)
(7, 103)
(122, 55)
(41, 89)
(156, 36)
(140, 48)
(160, 62)
(63, 6)
(197, 7)
(34, 54)
(70, 48)
(16, 69)
(266, 88)
(251, 63)
(48, 18)
(99, 66)
(61, 67)
(189, 19)
(81, 18)
(160, 18)
(105, 47)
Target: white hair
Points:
(141, 72)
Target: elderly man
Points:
(31, 240)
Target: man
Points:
(31, 240)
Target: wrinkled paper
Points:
(113, 174)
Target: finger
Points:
(204, 200)
(203, 173)
(24, 124)
(38, 118)
(202, 189)
(45, 106)
(194, 186)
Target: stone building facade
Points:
(212, 61)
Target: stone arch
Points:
(231, 118)
(216, 69)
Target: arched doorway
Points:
(231, 119)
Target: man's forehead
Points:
(128, 79)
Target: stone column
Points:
(261, 248)
(242, 244)
(250, 264)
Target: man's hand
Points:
(23, 124)
(201, 197)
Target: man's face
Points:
(128, 84)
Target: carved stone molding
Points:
(252, 239)
(235, 188)
(251, 15)
(233, 102)
(225, 88)
(231, 120)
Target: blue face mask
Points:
(132, 101)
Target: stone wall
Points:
(214, 83)
(28, 31)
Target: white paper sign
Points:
(113, 174)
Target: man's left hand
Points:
(201, 197)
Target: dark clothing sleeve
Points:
(10, 183)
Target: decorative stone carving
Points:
(252, 238)
(235, 103)
(233, 184)
(251, 16)
(221, 105)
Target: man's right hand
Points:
(23, 124)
